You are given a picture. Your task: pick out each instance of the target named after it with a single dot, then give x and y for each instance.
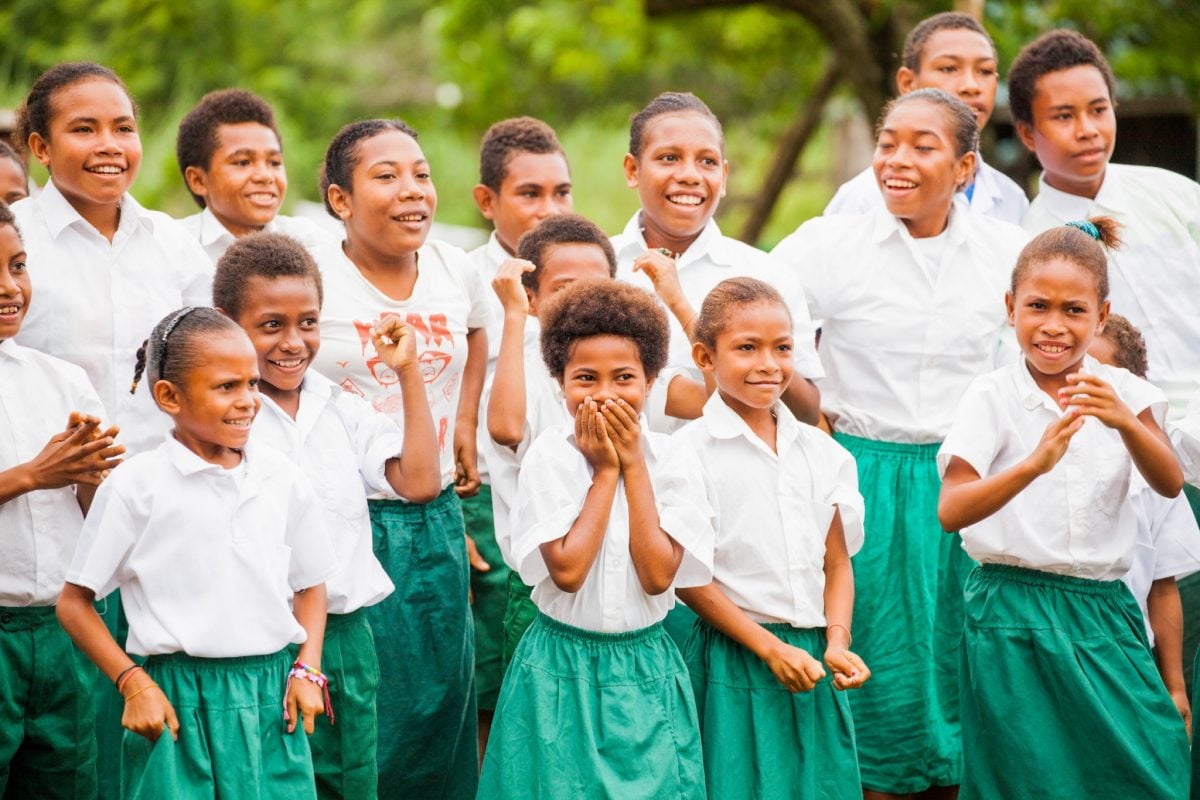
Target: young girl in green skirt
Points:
(784, 504)
(596, 701)
(1060, 694)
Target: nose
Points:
(291, 342)
(8, 284)
(970, 83)
(108, 144)
(1087, 126)
(686, 171)
(410, 189)
(899, 156)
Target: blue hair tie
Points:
(1087, 227)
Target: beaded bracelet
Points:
(305, 672)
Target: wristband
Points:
(849, 635)
(303, 671)
(124, 677)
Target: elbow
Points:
(506, 435)
(426, 493)
(949, 521)
(655, 583)
(566, 580)
(1172, 486)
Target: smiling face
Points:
(754, 358)
(15, 289)
(245, 182)
(1074, 129)
(961, 63)
(535, 186)
(562, 265)
(282, 317)
(14, 185)
(680, 177)
(603, 368)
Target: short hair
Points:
(508, 138)
(727, 295)
(341, 157)
(667, 103)
(1129, 347)
(560, 229)
(1072, 243)
(8, 218)
(1051, 52)
(260, 255)
(604, 308)
(918, 37)
(177, 344)
(7, 151)
(197, 138)
(34, 114)
(959, 116)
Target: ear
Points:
(40, 148)
(1011, 308)
(529, 293)
(197, 181)
(485, 200)
(906, 80)
(339, 200)
(724, 177)
(705, 359)
(631, 171)
(1025, 133)
(1105, 308)
(964, 171)
(168, 397)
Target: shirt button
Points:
(6, 618)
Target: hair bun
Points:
(1105, 230)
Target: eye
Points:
(987, 72)
(424, 175)
(948, 69)
(310, 323)
(923, 148)
(668, 157)
(746, 347)
(1062, 115)
(126, 129)
(385, 176)
(1036, 305)
(254, 384)
(708, 161)
(784, 348)
(276, 162)
(626, 376)
(82, 129)
(271, 324)
(16, 266)
(227, 386)
(564, 192)
(242, 162)
(530, 194)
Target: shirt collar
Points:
(212, 231)
(1032, 395)
(188, 463)
(722, 422)
(495, 252)
(883, 225)
(1069, 207)
(16, 352)
(710, 243)
(59, 213)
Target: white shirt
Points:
(995, 195)
(341, 445)
(555, 479)
(771, 510)
(215, 238)
(1185, 437)
(1076, 519)
(207, 559)
(902, 337)
(447, 301)
(1154, 275)
(95, 302)
(38, 530)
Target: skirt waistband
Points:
(335, 622)
(184, 661)
(1006, 573)
(557, 628)
(415, 511)
(24, 618)
(857, 444)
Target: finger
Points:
(626, 412)
(613, 423)
(310, 722)
(293, 711)
(474, 558)
(172, 722)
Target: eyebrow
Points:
(249, 151)
(391, 162)
(94, 120)
(1093, 101)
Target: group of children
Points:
(703, 489)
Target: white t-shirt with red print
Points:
(447, 300)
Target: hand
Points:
(466, 462)
(794, 668)
(849, 671)
(1180, 699)
(661, 271)
(304, 701)
(79, 454)
(623, 430)
(395, 341)
(147, 710)
(508, 287)
(1091, 397)
(1054, 442)
(592, 439)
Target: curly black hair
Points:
(508, 138)
(1129, 346)
(341, 157)
(667, 103)
(34, 114)
(197, 138)
(604, 308)
(260, 255)
(561, 229)
(1051, 52)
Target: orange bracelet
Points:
(125, 675)
(139, 691)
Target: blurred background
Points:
(797, 83)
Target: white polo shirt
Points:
(342, 446)
(38, 530)
(207, 559)
(215, 238)
(771, 510)
(95, 302)
(907, 323)
(1076, 519)
(1154, 276)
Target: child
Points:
(47, 477)
(784, 504)
(377, 181)
(951, 51)
(14, 177)
(1060, 697)
(231, 156)
(909, 298)
(1061, 90)
(269, 284)
(209, 539)
(596, 700)
(676, 161)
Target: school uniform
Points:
(47, 721)
(992, 194)
(906, 325)
(342, 446)
(1153, 275)
(1056, 674)
(215, 238)
(771, 512)
(208, 560)
(1185, 438)
(427, 722)
(596, 701)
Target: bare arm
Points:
(686, 397)
(465, 455)
(803, 399)
(1165, 614)
(506, 411)
(415, 475)
(305, 700)
(78, 455)
(849, 671)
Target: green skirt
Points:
(232, 739)
(519, 613)
(760, 740)
(594, 715)
(1060, 695)
(679, 623)
(908, 581)
(109, 707)
(489, 592)
(426, 644)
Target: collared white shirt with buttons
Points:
(771, 510)
(995, 195)
(902, 336)
(207, 559)
(38, 529)
(215, 238)
(1078, 518)
(342, 446)
(95, 302)
(1185, 437)
(555, 479)
(1154, 276)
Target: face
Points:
(1104, 350)
(15, 290)
(1074, 129)
(961, 63)
(93, 152)
(14, 185)
(390, 204)
(754, 358)
(605, 368)
(562, 265)
(282, 317)
(535, 186)
(680, 175)
(246, 181)
(916, 166)
(1056, 312)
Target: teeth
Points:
(262, 196)
(106, 170)
(239, 423)
(1051, 348)
(410, 217)
(9, 309)
(685, 199)
(895, 183)
(289, 363)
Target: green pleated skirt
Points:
(760, 740)
(594, 715)
(908, 581)
(1060, 694)
(519, 613)
(489, 593)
